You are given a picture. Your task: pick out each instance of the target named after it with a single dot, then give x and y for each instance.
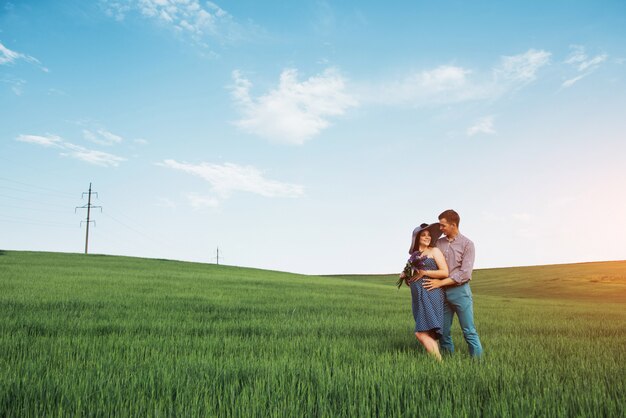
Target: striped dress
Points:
(427, 304)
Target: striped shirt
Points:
(459, 254)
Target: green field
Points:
(102, 335)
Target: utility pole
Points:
(217, 256)
(88, 206)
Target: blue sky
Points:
(313, 136)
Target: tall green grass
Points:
(98, 335)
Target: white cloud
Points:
(443, 78)
(592, 63)
(443, 84)
(100, 158)
(571, 81)
(581, 62)
(16, 84)
(447, 84)
(190, 17)
(74, 151)
(56, 92)
(482, 126)
(578, 58)
(295, 111)
(228, 178)
(116, 9)
(141, 141)
(8, 57)
(102, 137)
(522, 68)
(46, 141)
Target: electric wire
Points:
(33, 201)
(36, 209)
(152, 239)
(17, 220)
(153, 235)
(45, 189)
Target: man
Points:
(458, 251)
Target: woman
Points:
(427, 304)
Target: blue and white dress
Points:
(427, 304)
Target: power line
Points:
(154, 235)
(15, 189)
(31, 201)
(37, 209)
(16, 220)
(56, 192)
(37, 168)
(153, 239)
(19, 218)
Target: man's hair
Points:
(450, 216)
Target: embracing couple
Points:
(440, 285)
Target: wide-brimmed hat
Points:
(435, 233)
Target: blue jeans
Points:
(459, 301)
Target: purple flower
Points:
(415, 262)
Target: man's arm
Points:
(438, 278)
(464, 274)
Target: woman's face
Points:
(425, 238)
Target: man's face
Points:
(446, 227)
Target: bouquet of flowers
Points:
(414, 263)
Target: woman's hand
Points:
(430, 284)
(418, 275)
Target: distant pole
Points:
(218, 255)
(88, 207)
(88, 215)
